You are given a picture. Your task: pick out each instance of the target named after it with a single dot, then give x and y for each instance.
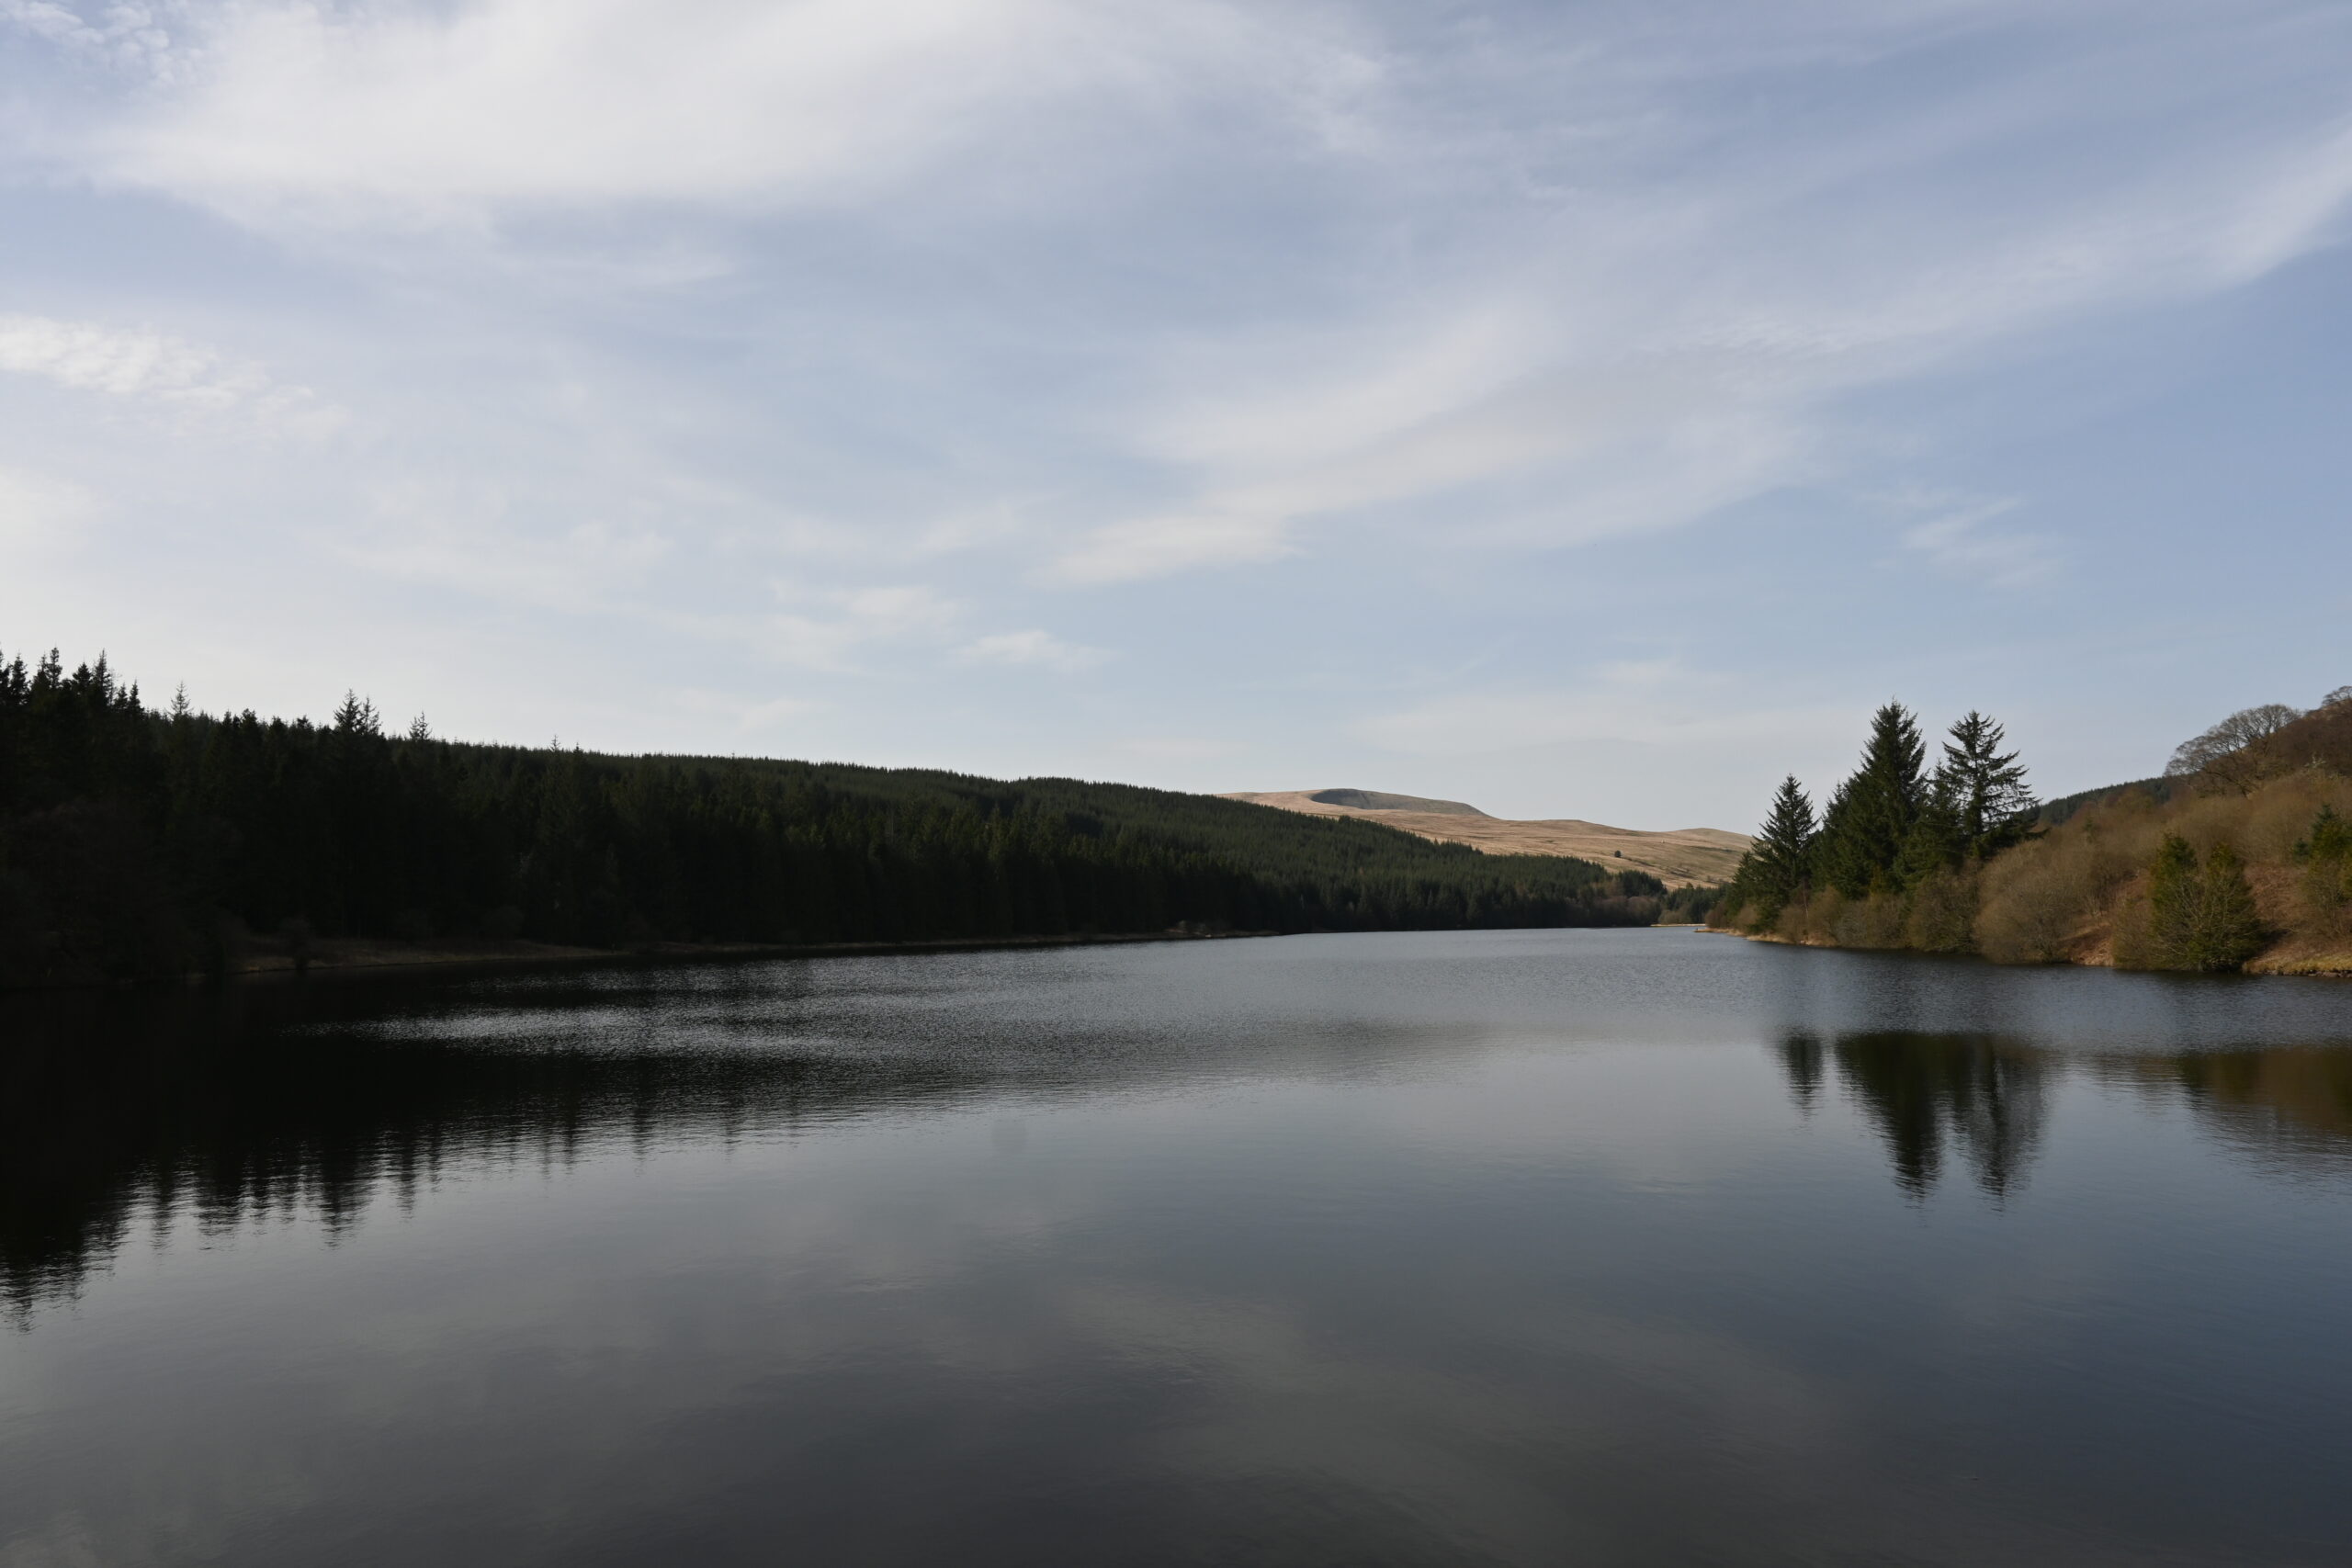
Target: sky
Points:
(1586, 409)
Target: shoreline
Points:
(347, 958)
(354, 956)
(2288, 959)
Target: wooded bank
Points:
(143, 844)
(2239, 858)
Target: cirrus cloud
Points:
(142, 363)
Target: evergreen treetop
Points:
(1874, 811)
(1986, 786)
(1779, 865)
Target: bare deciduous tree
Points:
(2220, 754)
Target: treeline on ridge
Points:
(2240, 854)
(137, 844)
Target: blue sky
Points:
(1579, 409)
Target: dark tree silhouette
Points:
(137, 844)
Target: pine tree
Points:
(2326, 859)
(1873, 812)
(2173, 890)
(1831, 835)
(357, 716)
(1986, 788)
(1778, 869)
(1938, 840)
(2202, 918)
(2229, 927)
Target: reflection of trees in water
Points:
(1985, 1100)
(1801, 1058)
(115, 1109)
(2288, 1107)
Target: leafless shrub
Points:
(1943, 914)
(1823, 915)
(2038, 897)
(1874, 922)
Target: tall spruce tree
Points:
(1938, 840)
(1993, 808)
(1777, 870)
(1871, 818)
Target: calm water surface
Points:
(1513, 1248)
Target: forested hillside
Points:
(136, 843)
(2240, 856)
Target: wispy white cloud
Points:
(1684, 325)
(121, 34)
(1655, 703)
(846, 623)
(142, 364)
(406, 112)
(1627, 409)
(1156, 546)
(1960, 541)
(1035, 648)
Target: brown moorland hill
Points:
(1683, 857)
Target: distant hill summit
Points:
(1373, 800)
(1683, 857)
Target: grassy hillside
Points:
(1682, 858)
(140, 845)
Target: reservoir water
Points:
(1618, 1247)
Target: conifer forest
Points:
(137, 843)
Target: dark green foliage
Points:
(1898, 847)
(2326, 859)
(1983, 788)
(1890, 827)
(82, 892)
(1938, 840)
(1974, 805)
(2200, 918)
(2051, 813)
(1870, 818)
(2172, 899)
(127, 837)
(2330, 840)
(1686, 906)
(1775, 873)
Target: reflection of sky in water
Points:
(1584, 986)
(1519, 1247)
